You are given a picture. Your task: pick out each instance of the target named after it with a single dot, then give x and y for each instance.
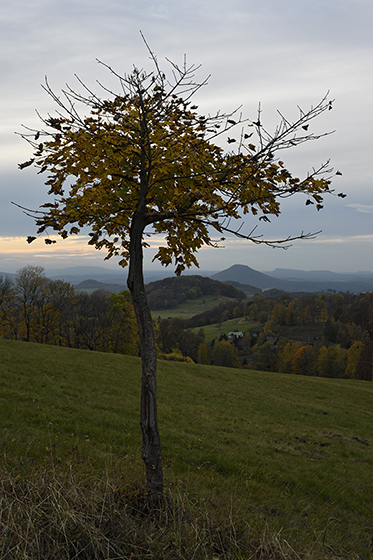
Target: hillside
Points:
(248, 276)
(171, 292)
(93, 285)
(241, 276)
(278, 455)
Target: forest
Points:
(172, 291)
(34, 308)
(326, 335)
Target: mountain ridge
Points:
(243, 274)
(316, 275)
(291, 280)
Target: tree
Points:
(224, 353)
(330, 331)
(30, 284)
(91, 322)
(123, 329)
(279, 313)
(364, 368)
(143, 160)
(8, 309)
(353, 356)
(332, 361)
(265, 356)
(62, 296)
(304, 361)
(287, 351)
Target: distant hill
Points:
(245, 275)
(170, 292)
(241, 276)
(319, 275)
(247, 288)
(92, 285)
(296, 280)
(77, 274)
(8, 275)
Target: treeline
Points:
(336, 341)
(293, 309)
(180, 343)
(342, 347)
(37, 309)
(329, 335)
(219, 314)
(170, 292)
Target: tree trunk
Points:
(151, 448)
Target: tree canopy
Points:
(148, 149)
(144, 160)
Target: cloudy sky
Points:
(281, 54)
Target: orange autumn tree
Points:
(144, 161)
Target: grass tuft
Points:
(68, 517)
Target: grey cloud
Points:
(362, 208)
(280, 53)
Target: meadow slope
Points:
(286, 454)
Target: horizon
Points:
(167, 271)
(280, 57)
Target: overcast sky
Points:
(281, 54)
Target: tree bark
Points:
(151, 448)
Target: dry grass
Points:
(68, 517)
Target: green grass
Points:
(286, 455)
(192, 307)
(216, 329)
(303, 333)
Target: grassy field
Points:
(216, 329)
(192, 307)
(282, 464)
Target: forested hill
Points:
(170, 292)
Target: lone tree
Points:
(145, 161)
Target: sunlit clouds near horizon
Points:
(279, 54)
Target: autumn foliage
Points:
(148, 148)
(38, 309)
(144, 161)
